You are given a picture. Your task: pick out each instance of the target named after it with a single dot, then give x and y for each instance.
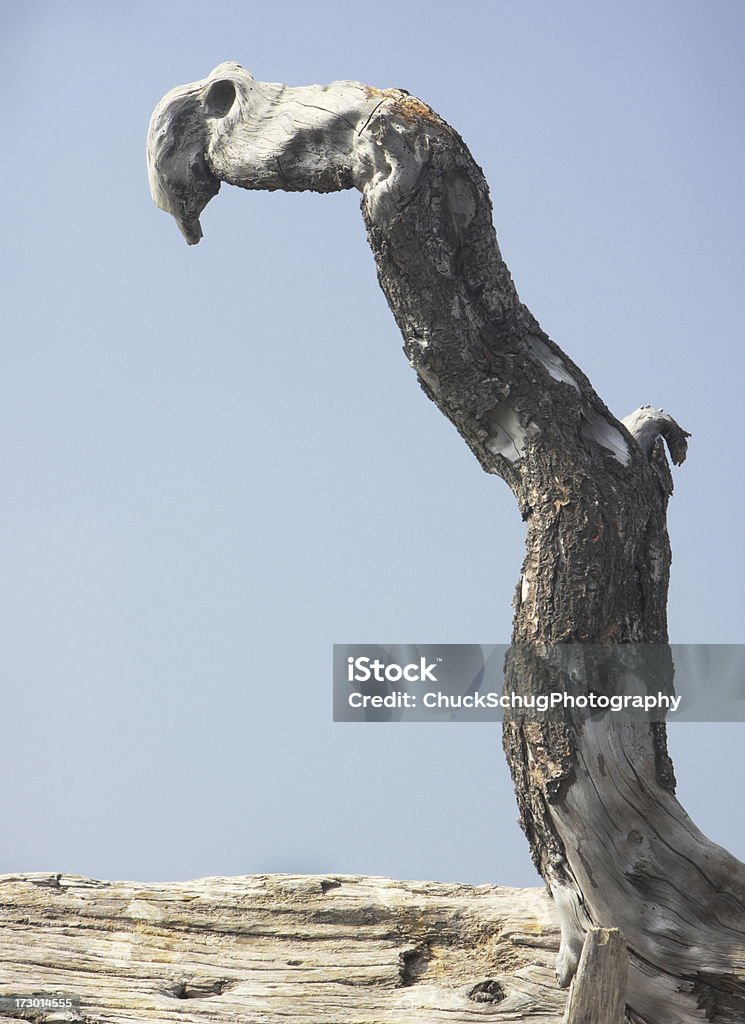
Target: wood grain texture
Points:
(598, 992)
(269, 949)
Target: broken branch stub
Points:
(598, 991)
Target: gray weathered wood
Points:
(597, 801)
(598, 991)
(268, 949)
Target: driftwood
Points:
(268, 949)
(597, 803)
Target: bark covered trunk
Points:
(596, 799)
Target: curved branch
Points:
(478, 351)
(596, 800)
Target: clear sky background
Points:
(216, 461)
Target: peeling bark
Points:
(596, 799)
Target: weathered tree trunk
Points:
(268, 949)
(596, 800)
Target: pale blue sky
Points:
(216, 461)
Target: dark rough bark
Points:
(596, 799)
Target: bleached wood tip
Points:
(647, 423)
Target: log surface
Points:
(316, 949)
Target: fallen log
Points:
(269, 949)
